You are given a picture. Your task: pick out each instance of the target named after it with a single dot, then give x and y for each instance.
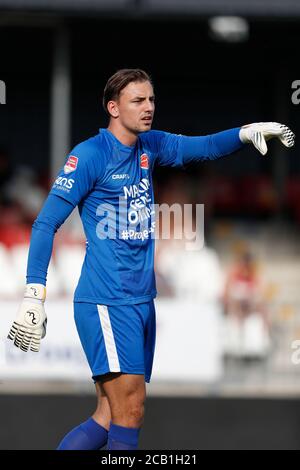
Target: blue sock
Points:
(87, 436)
(121, 438)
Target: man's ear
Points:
(113, 109)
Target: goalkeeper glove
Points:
(260, 132)
(30, 325)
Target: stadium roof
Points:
(265, 8)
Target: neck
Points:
(123, 135)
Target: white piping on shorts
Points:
(110, 345)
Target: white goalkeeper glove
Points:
(260, 132)
(30, 325)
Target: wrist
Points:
(243, 134)
(35, 291)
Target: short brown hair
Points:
(120, 80)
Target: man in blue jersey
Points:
(109, 178)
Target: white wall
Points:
(188, 346)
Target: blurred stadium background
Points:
(226, 373)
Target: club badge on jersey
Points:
(71, 164)
(144, 161)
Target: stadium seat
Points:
(257, 194)
(226, 198)
(293, 196)
(14, 233)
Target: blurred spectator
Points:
(19, 187)
(247, 329)
(24, 183)
(21, 198)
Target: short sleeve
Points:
(79, 174)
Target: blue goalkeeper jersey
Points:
(112, 185)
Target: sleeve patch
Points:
(71, 164)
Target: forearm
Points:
(40, 251)
(52, 216)
(210, 147)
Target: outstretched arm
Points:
(179, 150)
(218, 145)
(210, 147)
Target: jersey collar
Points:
(113, 138)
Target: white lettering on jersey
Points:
(136, 190)
(64, 182)
(121, 177)
(139, 200)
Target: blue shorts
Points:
(117, 338)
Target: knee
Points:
(130, 413)
(135, 414)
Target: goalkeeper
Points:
(113, 302)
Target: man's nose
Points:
(149, 105)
